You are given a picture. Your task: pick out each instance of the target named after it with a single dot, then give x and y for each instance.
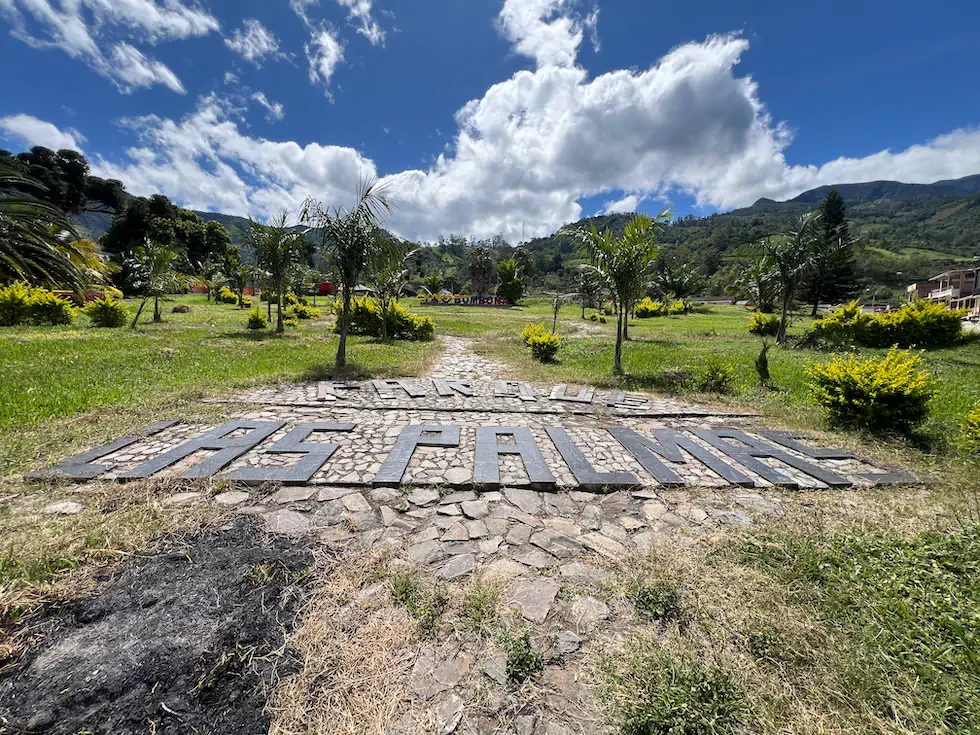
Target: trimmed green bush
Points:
(891, 393)
(256, 320)
(107, 312)
(647, 309)
(511, 290)
(971, 429)
(764, 325)
(714, 376)
(920, 324)
(365, 318)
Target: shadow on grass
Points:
(353, 371)
(257, 335)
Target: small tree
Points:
(346, 236)
(481, 269)
(277, 249)
(792, 256)
(624, 263)
(154, 274)
(389, 266)
(589, 288)
(833, 276)
(432, 282)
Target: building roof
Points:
(946, 274)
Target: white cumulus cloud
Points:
(32, 132)
(627, 204)
(359, 12)
(84, 29)
(532, 146)
(545, 30)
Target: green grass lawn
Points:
(66, 387)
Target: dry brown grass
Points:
(357, 648)
(53, 557)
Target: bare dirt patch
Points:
(186, 640)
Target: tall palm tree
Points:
(347, 237)
(37, 239)
(277, 247)
(623, 264)
(389, 266)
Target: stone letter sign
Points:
(665, 455)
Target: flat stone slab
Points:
(63, 508)
(534, 599)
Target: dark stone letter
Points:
(584, 472)
(314, 455)
(488, 448)
(227, 450)
(390, 473)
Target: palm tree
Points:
(792, 256)
(589, 288)
(277, 249)
(622, 263)
(389, 266)
(433, 282)
(347, 236)
(38, 243)
(154, 274)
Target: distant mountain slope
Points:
(905, 231)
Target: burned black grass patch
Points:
(185, 640)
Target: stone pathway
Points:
(458, 362)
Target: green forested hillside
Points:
(906, 232)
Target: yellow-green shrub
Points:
(647, 309)
(23, 304)
(764, 325)
(256, 320)
(365, 318)
(890, 393)
(971, 429)
(246, 300)
(47, 308)
(920, 323)
(15, 304)
(107, 312)
(113, 292)
(299, 311)
(677, 307)
(544, 346)
(226, 296)
(530, 331)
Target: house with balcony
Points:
(959, 289)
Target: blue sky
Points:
(500, 116)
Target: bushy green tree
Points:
(834, 275)
(389, 268)
(481, 269)
(509, 284)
